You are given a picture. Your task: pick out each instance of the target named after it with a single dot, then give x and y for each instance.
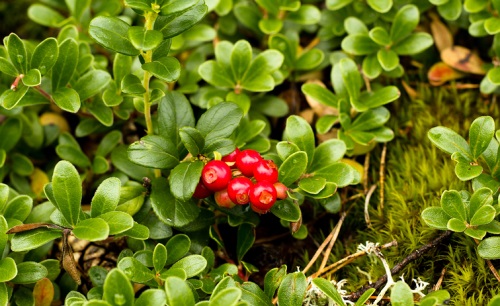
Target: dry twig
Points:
(367, 202)
(382, 175)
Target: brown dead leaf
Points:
(463, 59)
(308, 115)
(441, 73)
(410, 90)
(43, 293)
(441, 33)
(318, 108)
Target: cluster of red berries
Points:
(240, 178)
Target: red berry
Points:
(246, 161)
(265, 170)
(215, 175)
(238, 190)
(201, 191)
(231, 157)
(222, 199)
(262, 196)
(281, 190)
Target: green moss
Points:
(416, 175)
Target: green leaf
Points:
(219, 121)
(481, 133)
(449, 141)
(117, 221)
(286, 210)
(94, 229)
(353, 25)
(77, 7)
(320, 94)
(273, 279)
(436, 217)
(112, 33)
(13, 128)
(376, 98)
(181, 18)
(138, 231)
(174, 112)
(10, 98)
(258, 76)
(143, 39)
(327, 288)
(45, 16)
(405, 21)
(241, 57)
(184, 178)
(17, 52)
(388, 59)
(292, 168)
(479, 198)
(155, 152)
(212, 72)
(452, 204)
(33, 239)
(167, 68)
(67, 99)
(178, 292)
(380, 36)
(66, 63)
(328, 191)
(271, 25)
(313, 184)
(192, 140)
(7, 67)
(365, 297)
(359, 44)
(475, 233)
(159, 257)
(177, 247)
(8, 269)
(106, 197)
(91, 83)
(293, 289)
(151, 297)
(248, 130)
(466, 171)
(32, 78)
(414, 44)
(450, 10)
(381, 6)
(18, 208)
(21, 164)
(328, 152)
(299, 132)
(67, 189)
(484, 215)
(29, 272)
(192, 264)
(131, 84)
(401, 294)
(456, 225)
(309, 60)
(135, 270)
(335, 5)
(494, 75)
(489, 248)
(371, 66)
(339, 173)
(245, 240)
(227, 296)
(117, 289)
(170, 210)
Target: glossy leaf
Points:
(241, 57)
(481, 133)
(448, 141)
(176, 20)
(192, 264)
(91, 83)
(143, 39)
(401, 294)
(326, 153)
(245, 240)
(29, 272)
(66, 63)
(167, 68)
(45, 15)
(67, 99)
(32, 78)
(286, 210)
(177, 247)
(405, 21)
(112, 33)
(17, 52)
(413, 44)
(117, 221)
(192, 140)
(219, 121)
(436, 217)
(117, 289)
(94, 229)
(451, 202)
(329, 289)
(484, 215)
(292, 168)
(489, 248)
(178, 292)
(8, 269)
(299, 132)
(227, 296)
(456, 225)
(465, 171)
(67, 189)
(135, 270)
(292, 289)
(154, 151)
(151, 297)
(106, 197)
(184, 178)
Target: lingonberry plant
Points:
(163, 152)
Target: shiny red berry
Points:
(222, 199)
(262, 196)
(281, 190)
(238, 190)
(201, 191)
(266, 170)
(215, 175)
(231, 157)
(246, 161)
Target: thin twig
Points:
(365, 172)
(490, 265)
(440, 280)
(382, 175)
(348, 259)
(367, 202)
(398, 267)
(332, 241)
(318, 252)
